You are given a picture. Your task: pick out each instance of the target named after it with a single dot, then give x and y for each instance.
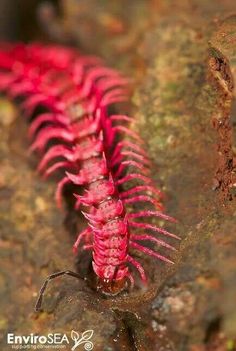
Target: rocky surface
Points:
(182, 58)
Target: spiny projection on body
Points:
(112, 172)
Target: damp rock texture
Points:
(182, 60)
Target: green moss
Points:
(231, 345)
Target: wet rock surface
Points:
(182, 60)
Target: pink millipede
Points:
(76, 92)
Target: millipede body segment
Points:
(77, 134)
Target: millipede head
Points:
(111, 287)
(116, 282)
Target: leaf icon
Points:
(87, 335)
(74, 335)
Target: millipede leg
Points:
(131, 280)
(84, 234)
(139, 267)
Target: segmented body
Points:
(89, 145)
